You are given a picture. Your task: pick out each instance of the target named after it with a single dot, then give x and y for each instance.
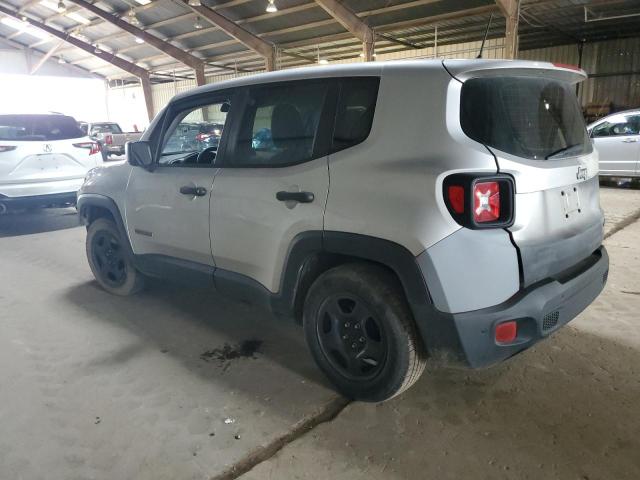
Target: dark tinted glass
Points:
(279, 125)
(354, 114)
(38, 127)
(533, 118)
(106, 128)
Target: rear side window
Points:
(38, 127)
(279, 125)
(534, 118)
(354, 115)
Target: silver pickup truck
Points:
(110, 137)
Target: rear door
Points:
(528, 116)
(167, 209)
(617, 139)
(274, 181)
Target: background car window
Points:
(105, 128)
(618, 125)
(195, 139)
(356, 108)
(38, 127)
(279, 125)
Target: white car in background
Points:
(617, 139)
(43, 160)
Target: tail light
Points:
(201, 137)
(92, 146)
(7, 148)
(506, 332)
(108, 139)
(480, 201)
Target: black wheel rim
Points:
(109, 259)
(351, 337)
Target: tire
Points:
(109, 259)
(361, 332)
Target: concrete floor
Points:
(178, 384)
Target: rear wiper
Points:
(562, 150)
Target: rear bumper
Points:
(52, 200)
(40, 188)
(539, 311)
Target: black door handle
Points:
(301, 197)
(194, 191)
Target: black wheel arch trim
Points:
(86, 201)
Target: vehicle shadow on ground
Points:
(27, 222)
(566, 408)
(209, 334)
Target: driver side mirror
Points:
(139, 154)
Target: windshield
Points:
(106, 128)
(38, 127)
(534, 118)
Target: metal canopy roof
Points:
(302, 30)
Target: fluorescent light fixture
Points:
(323, 61)
(271, 6)
(194, 3)
(97, 49)
(133, 19)
(143, 2)
(139, 40)
(61, 60)
(198, 25)
(51, 5)
(61, 6)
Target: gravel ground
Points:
(179, 384)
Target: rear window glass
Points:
(38, 127)
(534, 118)
(106, 128)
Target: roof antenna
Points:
(484, 39)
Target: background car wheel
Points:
(109, 260)
(361, 332)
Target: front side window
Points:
(618, 125)
(105, 128)
(194, 136)
(279, 125)
(534, 118)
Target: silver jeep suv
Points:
(400, 211)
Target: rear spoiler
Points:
(464, 69)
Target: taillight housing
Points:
(480, 201)
(92, 146)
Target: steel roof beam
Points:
(511, 11)
(190, 60)
(352, 23)
(265, 49)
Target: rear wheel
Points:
(361, 332)
(109, 259)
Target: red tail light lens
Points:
(7, 148)
(201, 137)
(455, 194)
(479, 201)
(108, 139)
(92, 146)
(486, 202)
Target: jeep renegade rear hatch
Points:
(527, 114)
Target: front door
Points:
(167, 210)
(273, 182)
(617, 140)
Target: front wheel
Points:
(361, 332)
(109, 260)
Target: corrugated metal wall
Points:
(613, 66)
